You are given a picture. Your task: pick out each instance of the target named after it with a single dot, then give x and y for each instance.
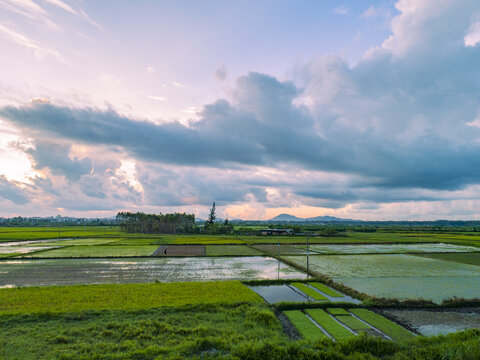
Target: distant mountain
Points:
(292, 218)
(286, 217)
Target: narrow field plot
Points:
(278, 293)
(394, 331)
(329, 324)
(69, 242)
(463, 258)
(140, 241)
(307, 290)
(180, 250)
(383, 265)
(122, 297)
(304, 325)
(352, 322)
(35, 272)
(325, 289)
(387, 248)
(97, 251)
(37, 233)
(338, 311)
(282, 249)
(22, 249)
(207, 240)
(222, 250)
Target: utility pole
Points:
(307, 251)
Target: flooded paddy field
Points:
(398, 276)
(287, 293)
(386, 248)
(30, 272)
(436, 322)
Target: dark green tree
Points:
(212, 216)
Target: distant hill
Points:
(292, 218)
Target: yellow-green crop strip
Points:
(329, 324)
(352, 322)
(122, 297)
(325, 289)
(338, 311)
(305, 327)
(96, 251)
(308, 291)
(395, 331)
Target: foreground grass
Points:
(217, 320)
(55, 299)
(175, 332)
(246, 331)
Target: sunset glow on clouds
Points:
(363, 110)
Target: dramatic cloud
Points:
(13, 191)
(56, 157)
(401, 126)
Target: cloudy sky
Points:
(357, 109)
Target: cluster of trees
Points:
(155, 224)
(211, 227)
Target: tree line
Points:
(156, 224)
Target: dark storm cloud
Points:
(11, 190)
(54, 156)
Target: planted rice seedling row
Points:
(305, 327)
(394, 331)
(327, 322)
(308, 291)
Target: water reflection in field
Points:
(96, 271)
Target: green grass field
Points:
(53, 299)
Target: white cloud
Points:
(473, 36)
(62, 5)
(474, 123)
(341, 10)
(150, 70)
(177, 84)
(373, 12)
(38, 49)
(157, 98)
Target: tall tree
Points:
(212, 216)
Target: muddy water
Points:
(98, 271)
(388, 248)
(428, 322)
(278, 293)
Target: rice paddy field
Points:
(30, 272)
(95, 292)
(398, 276)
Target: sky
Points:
(357, 109)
